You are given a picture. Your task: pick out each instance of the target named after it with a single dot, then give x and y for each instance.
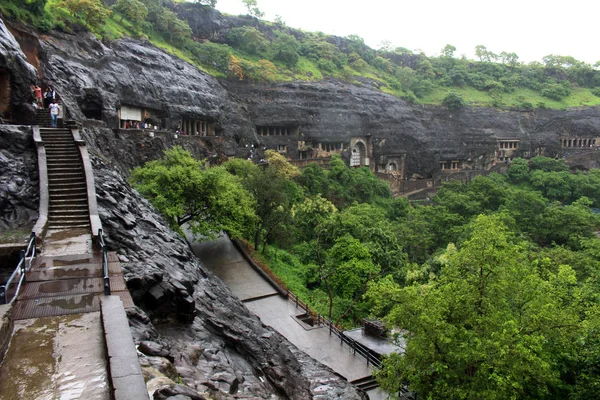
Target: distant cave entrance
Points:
(5, 93)
(92, 110)
(392, 167)
(359, 152)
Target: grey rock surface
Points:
(21, 76)
(19, 184)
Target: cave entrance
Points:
(392, 167)
(5, 93)
(196, 127)
(92, 110)
(359, 153)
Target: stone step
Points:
(68, 181)
(78, 209)
(68, 220)
(55, 169)
(58, 140)
(74, 164)
(63, 226)
(67, 178)
(69, 203)
(70, 152)
(63, 159)
(67, 196)
(66, 189)
(77, 186)
(69, 214)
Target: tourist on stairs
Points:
(54, 112)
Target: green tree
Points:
(488, 327)
(208, 200)
(448, 51)
(248, 39)
(347, 271)
(134, 10)
(285, 47)
(453, 101)
(36, 7)
(310, 214)
(90, 12)
(281, 165)
(518, 170)
(253, 9)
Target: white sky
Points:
(530, 28)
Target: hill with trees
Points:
(492, 284)
(247, 48)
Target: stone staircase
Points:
(42, 118)
(367, 383)
(68, 200)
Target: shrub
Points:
(596, 91)
(286, 48)
(326, 65)
(555, 91)
(213, 55)
(453, 101)
(248, 39)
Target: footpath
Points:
(226, 262)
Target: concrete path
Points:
(314, 341)
(223, 259)
(56, 358)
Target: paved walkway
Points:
(57, 348)
(60, 357)
(223, 259)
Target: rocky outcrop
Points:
(19, 184)
(221, 347)
(89, 73)
(16, 76)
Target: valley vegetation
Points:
(493, 285)
(262, 51)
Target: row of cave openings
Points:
(578, 142)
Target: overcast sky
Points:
(530, 28)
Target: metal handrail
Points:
(23, 266)
(104, 263)
(321, 320)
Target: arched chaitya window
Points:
(358, 155)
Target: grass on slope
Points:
(579, 97)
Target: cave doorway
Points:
(5, 93)
(392, 167)
(92, 110)
(359, 152)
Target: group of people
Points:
(138, 125)
(46, 100)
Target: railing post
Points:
(329, 328)
(2, 294)
(23, 266)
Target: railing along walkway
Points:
(312, 317)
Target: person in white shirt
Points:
(54, 112)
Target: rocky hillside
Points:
(195, 337)
(188, 323)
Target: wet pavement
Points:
(223, 259)
(56, 358)
(314, 341)
(67, 241)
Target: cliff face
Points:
(225, 347)
(16, 76)
(195, 337)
